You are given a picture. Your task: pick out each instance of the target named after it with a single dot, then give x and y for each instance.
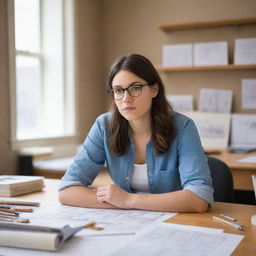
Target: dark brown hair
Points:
(162, 127)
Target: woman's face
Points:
(133, 108)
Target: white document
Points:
(247, 160)
(245, 51)
(181, 103)
(213, 128)
(113, 221)
(177, 55)
(164, 239)
(212, 100)
(249, 93)
(243, 131)
(211, 54)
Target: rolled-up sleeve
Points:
(87, 163)
(193, 167)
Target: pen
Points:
(227, 217)
(237, 226)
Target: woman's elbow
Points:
(202, 206)
(62, 196)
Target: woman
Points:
(153, 154)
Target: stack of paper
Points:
(13, 185)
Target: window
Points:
(42, 73)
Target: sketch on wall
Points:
(212, 100)
(213, 128)
(243, 132)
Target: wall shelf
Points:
(207, 24)
(205, 68)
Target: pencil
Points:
(92, 225)
(16, 209)
(23, 209)
(18, 202)
(9, 213)
(14, 220)
(237, 226)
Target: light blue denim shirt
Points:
(183, 166)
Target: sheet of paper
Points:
(195, 228)
(247, 160)
(249, 93)
(78, 245)
(212, 100)
(213, 128)
(211, 54)
(177, 55)
(164, 239)
(243, 131)
(113, 221)
(181, 103)
(245, 51)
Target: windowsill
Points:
(44, 142)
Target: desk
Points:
(242, 212)
(242, 172)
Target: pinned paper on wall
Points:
(249, 93)
(213, 128)
(177, 55)
(212, 100)
(243, 132)
(181, 103)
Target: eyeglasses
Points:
(134, 90)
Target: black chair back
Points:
(222, 180)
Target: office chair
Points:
(222, 180)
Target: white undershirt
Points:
(139, 180)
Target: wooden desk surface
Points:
(242, 172)
(242, 212)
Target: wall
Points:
(7, 157)
(107, 29)
(89, 64)
(130, 26)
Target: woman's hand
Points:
(114, 195)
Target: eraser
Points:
(254, 220)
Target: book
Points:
(35, 237)
(13, 185)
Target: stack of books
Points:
(14, 185)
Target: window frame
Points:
(18, 144)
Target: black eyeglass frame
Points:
(111, 91)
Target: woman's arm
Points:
(81, 196)
(178, 201)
